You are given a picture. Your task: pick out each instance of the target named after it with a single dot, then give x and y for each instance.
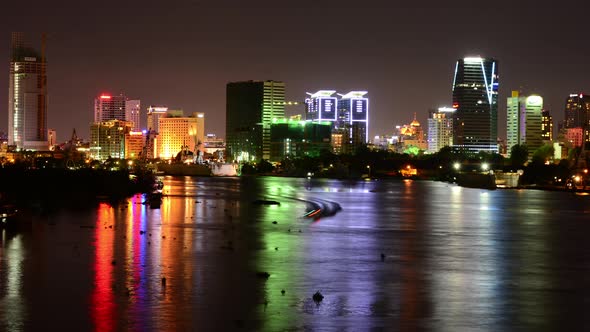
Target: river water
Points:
(453, 259)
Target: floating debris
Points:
(317, 297)
(163, 281)
(274, 222)
(282, 292)
(382, 257)
(264, 275)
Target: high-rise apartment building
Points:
(27, 91)
(577, 111)
(524, 121)
(153, 115)
(132, 113)
(250, 108)
(352, 120)
(440, 129)
(475, 98)
(546, 126)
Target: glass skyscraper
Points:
(475, 98)
(251, 107)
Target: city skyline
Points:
(187, 54)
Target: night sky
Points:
(182, 54)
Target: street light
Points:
(457, 166)
(485, 166)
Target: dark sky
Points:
(182, 53)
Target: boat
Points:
(224, 169)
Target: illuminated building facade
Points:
(154, 113)
(132, 113)
(321, 106)
(440, 129)
(176, 134)
(107, 139)
(524, 121)
(299, 138)
(352, 120)
(575, 136)
(27, 102)
(577, 111)
(108, 107)
(134, 144)
(475, 98)
(250, 108)
(546, 126)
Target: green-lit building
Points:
(524, 121)
(298, 138)
(250, 108)
(107, 139)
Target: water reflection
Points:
(453, 259)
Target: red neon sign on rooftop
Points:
(105, 97)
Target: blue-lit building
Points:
(321, 106)
(352, 120)
(475, 98)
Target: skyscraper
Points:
(27, 91)
(250, 108)
(475, 97)
(132, 113)
(524, 121)
(321, 106)
(577, 111)
(352, 120)
(547, 126)
(108, 107)
(440, 129)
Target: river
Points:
(386, 255)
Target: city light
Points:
(457, 166)
(485, 166)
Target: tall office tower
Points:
(440, 129)
(352, 120)
(321, 106)
(27, 96)
(475, 97)
(250, 108)
(524, 121)
(153, 115)
(108, 107)
(107, 139)
(132, 113)
(177, 134)
(577, 111)
(546, 126)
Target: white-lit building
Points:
(440, 129)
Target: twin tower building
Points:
(256, 126)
